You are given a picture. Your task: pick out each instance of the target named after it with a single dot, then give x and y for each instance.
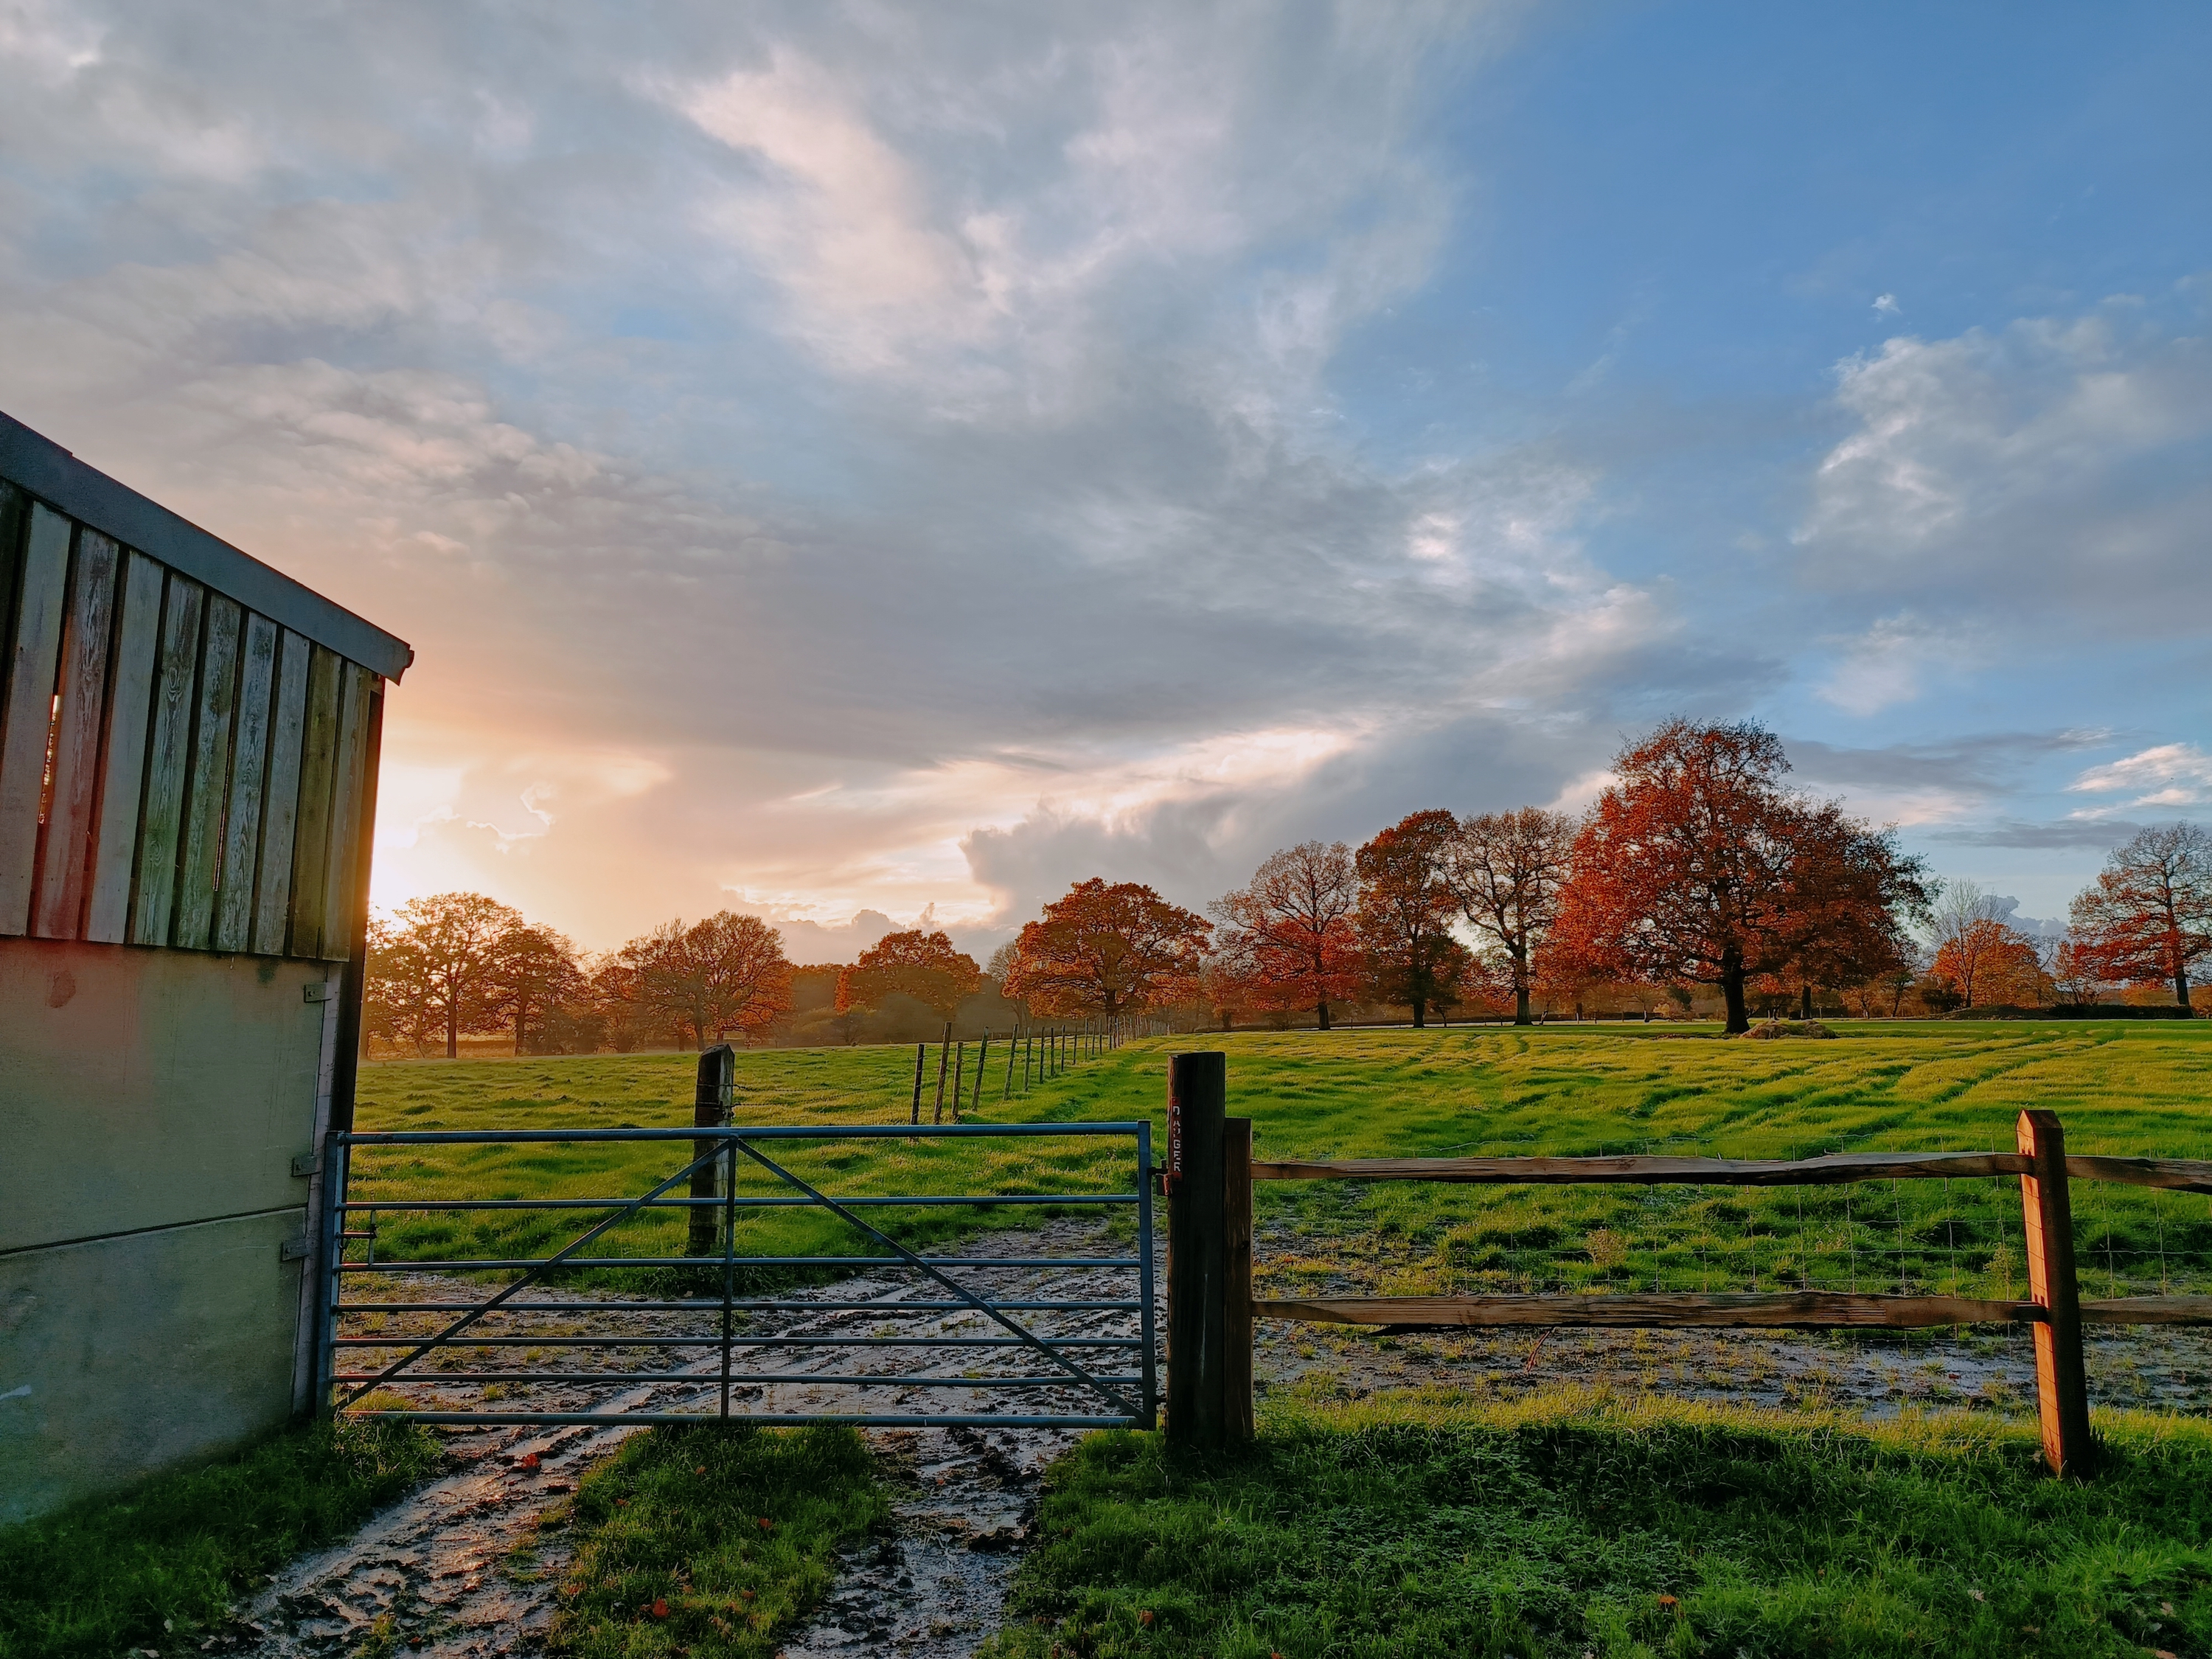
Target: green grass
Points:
(2122, 1088)
(158, 1566)
(1578, 1525)
(673, 1556)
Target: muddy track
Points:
(460, 1568)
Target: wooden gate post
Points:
(710, 1109)
(2062, 1385)
(1198, 1279)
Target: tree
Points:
(1105, 950)
(923, 966)
(1406, 911)
(396, 1000)
(2148, 917)
(1698, 865)
(727, 972)
(535, 972)
(439, 966)
(1506, 869)
(1289, 933)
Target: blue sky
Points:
(862, 463)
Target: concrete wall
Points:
(152, 1103)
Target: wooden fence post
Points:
(2062, 1386)
(710, 1109)
(1236, 1260)
(944, 1059)
(1198, 1301)
(919, 1050)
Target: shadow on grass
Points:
(158, 1566)
(1577, 1524)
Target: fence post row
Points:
(1208, 1179)
(710, 1109)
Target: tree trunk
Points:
(1420, 1012)
(1732, 990)
(1521, 1015)
(1805, 1002)
(2181, 986)
(452, 1030)
(1320, 1011)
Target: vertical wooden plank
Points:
(209, 790)
(1198, 1086)
(272, 902)
(311, 840)
(169, 757)
(710, 1109)
(2061, 1382)
(122, 763)
(346, 826)
(1237, 1265)
(249, 765)
(34, 659)
(80, 711)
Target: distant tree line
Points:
(1698, 873)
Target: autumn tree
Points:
(397, 1000)
(2148, 918)
(535, 971)
(1698, 865)
(1506, 869)
(918, 964)
(1406, 911)
(725, 973)
(1108, 949)
(1289, 932)
(437, 964)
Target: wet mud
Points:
(459, 1567)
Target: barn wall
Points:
(152, 1103)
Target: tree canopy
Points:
(1107, 948)
(1406, 911)
(915, 963)
(2148, 917)
(1288, 939)
(1506, 869)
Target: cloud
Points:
(1887, 304)
(2064, 835)
(1889, 663)
(2170, 774)
(2055, 467)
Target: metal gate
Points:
(707, 1340)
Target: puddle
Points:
(436, 1573)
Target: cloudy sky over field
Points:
(839, 461)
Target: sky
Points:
(872, 464)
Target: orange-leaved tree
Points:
(1288, 941)
(434, 967)
(1698, 865)
(2148, 918)
(915, 963)
(535, 972)
(1108, 949)
(1506, 869)
(1406, 913)
(725, 973)
(1992, 964)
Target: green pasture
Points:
(2125, 1088)
(1576, 1526)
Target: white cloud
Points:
(2057, 467)
(2170, 774)
(1887, 304)
(1892, 661)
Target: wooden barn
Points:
(188, 754)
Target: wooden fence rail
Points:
(1211, 1307)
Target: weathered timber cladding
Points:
(177, 769)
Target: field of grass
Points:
(157, 1566)
(706, 1542)
(2122, 1088)
(1574, 1525)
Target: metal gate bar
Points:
(723, 1148)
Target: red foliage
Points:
(1406, 913)
(923, 966)
(1107, 948)
(2148, 918)
(1288, 941)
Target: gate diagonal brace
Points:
(957, 1289)
(554, 1260)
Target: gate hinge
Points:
(305, 1163)
(316, 990)
(293, 1249)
